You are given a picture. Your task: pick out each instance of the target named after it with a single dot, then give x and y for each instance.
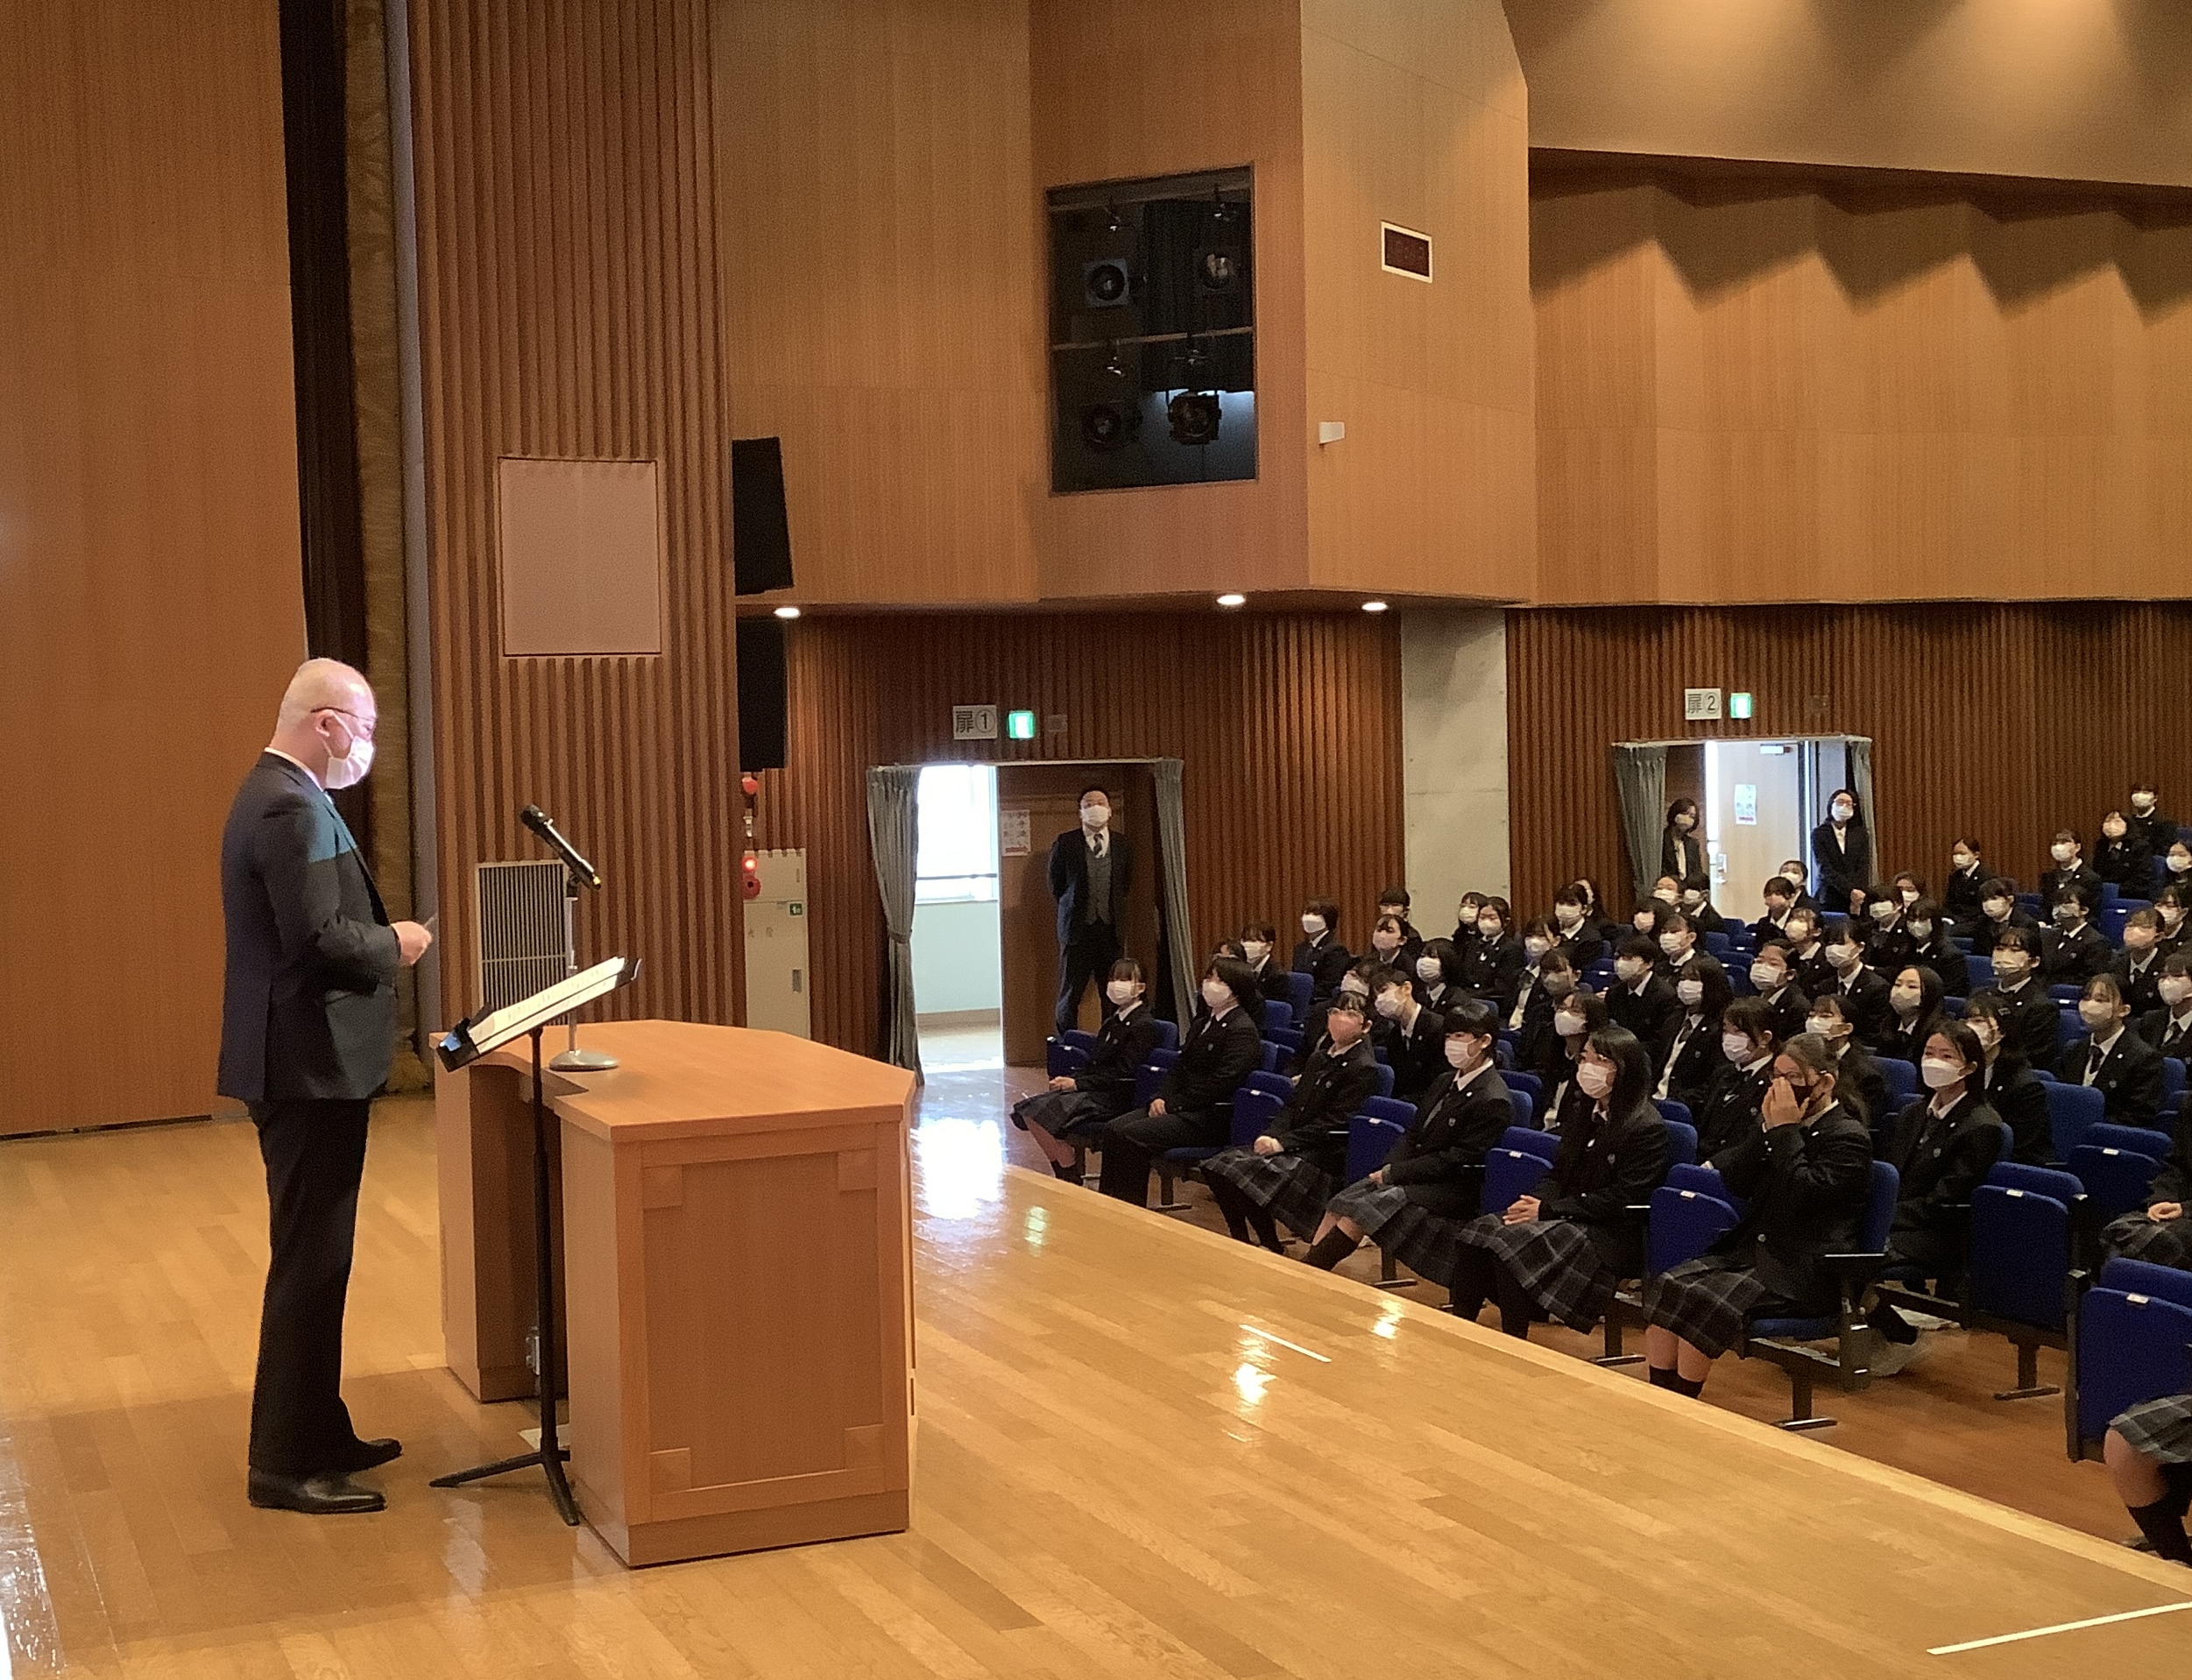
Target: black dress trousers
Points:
(1085, 957)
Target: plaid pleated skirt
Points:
(1426, 1243)
(1077, 1114)
(1708, 1302)
(2159, 1429)
(1292, 1189)
(1555, 1261)
(2165, 1243)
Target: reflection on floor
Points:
(953, 1044)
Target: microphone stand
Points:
(572, 1059)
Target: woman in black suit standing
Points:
(1681, 847)
(1842, 855)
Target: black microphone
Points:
(538, 821)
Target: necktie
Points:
(2093, 1061)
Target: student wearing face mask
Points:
(1934, 947)
(1320, 955)
(2176, 866)
(1594, 909)
(1394, 902)
(1576, 931)
(1412, 1036)
(1291, 1171)
(1864, 1088)
(1668, 891)
(1193, 1107)
(1780, 898)
(2031, 1024)
(1412, 1205)
(1465, 921)
(1682, 844)
(2068, 869)
(1558, 1251)
(1796, 875)
(2158, 833)
(1388, 940)
(1967, 882)
(1773, 979)
(1807, 953)
(1438, 971)
(1914, 997)
(1697, 904)
(1805, 1174)
(1360, 982)
(1728, 1110)
(1089, 871)
(2009, 1086)
(1886, 940)
(2074, 950)
(1678, 945)
(1864, 994)
(1074, 1107)
(1536, 1042)
(2171, 906)
(2168, 1025)
(1640, 1001)
(2123, 858)
(2137, 966)
(1578, 1017)
(1998, 913)
(1685, 1054)
(1941, 1146)
(1644, 923)
(1259, 949)
(1842, 852)
(1488, 967)
(1536, 945)
(2112, 1059)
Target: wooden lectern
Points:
(737, 1279)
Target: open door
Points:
(1035, 803)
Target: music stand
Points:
(462, 1046)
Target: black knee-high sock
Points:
(2164, 1529)
(1266, 1228)
(1331, 1248)
(1471, 1283)
(1515, 1304)
(1661, 1377)
(1234, 1205)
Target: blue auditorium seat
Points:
(1780, 1341)
(2072, 1111)
(2133, 1329)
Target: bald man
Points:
(308, 1031)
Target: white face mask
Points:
(2170, 914)
(2138, 939)
(2178, 865)
(1767, 977)
(1735, 1047)
(349, 771)
(1904, 998)
(2113, 830)
(1429, 970)
(1121, 993)
(2176, 991)
(1692, 899)
(1568, 914)
(1938, 1074)
(2142, 803)
(1462, 1052)
(1095, 816)
(1884, 914)
(1536, 945)
(1845, 956)
(1355, 986)
(1996, 909)
(2097, 1014)
(2060, 852)
(1641, 921)
(1255, 949)
(1665, 895)
(1568, 1024)
(1922, 931)
(1825, 1026)
(1629, 968)
(1595, 1077)
(1843, 813)
(1385, 944)
(1986, 1032)
(1312, 925)
(1964, 860)
(1487, 928)
(1691, 993)
(1909, 895)
(2009, 965)
(1671, 944)
(1217, 994)
(1390, 1004)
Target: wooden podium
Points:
(737, 1281)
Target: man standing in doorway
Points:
(1091, 869)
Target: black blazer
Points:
(1942, 1159)
(2016, 1095)
(1270, 987)
(1646, 1015)
(1216, 1055)
(2129, 863)
(2031, 1025)
(1068, 882)
(1808, 1187)
(2130, 1077)
(2054, 883)
(2074, 958)
(1680, 855)
(2157, 832)
(1607, 1164)
(1985, 931)
(1946, 961)
(2142, 989)
(1313, 1125)
(1326, 962)
(1441, 1160)
(1815, 976)
(1123, 1043)
(1841, 869)
(1887, 949)
(1418, 1057)
(1730, 1112)
(1791, 1012)
(1864, 999)
(1695, 1063)
(308, 996)
(1864, 1088)
(1962, 897)
(2155, 1027)
(1905, 1041)
(1488, 969)
(1583, 948)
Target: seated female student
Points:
(2031, 1023)
(1688, 1047)
(1942, 1144)
(1728, 1112)
(1561, 1251)
(1794, 872)
(1681, 847)
(2112, 1058)
(2011, 1088)
(2122, 858)
(1389, 940)
(1697, 904)
(1807, 953)
(1779, 897)
(1191, 1108)
(1678, 945)
(1465, 921)
(1913, 1011)
(2070, 870)
(1862, 1087)
(2167, 1026)
(1886, 941)
(1394, 902)
(1997, 915)
(2159, 1234)
(1805, 1173)
(1291, 1171)
(2148, 822)
(2148, 1451)
(1489, 966)
(1668, 891)
(1864, 994)
(2074, 950)
(1564, 1100)
(1966, 887)
(1536, 1045)
(1432, 1179)
(1320, 955)
(2137, 966)
(1933, 946)
(1359, 982)
(1414, 1038)
(1252, 1000)
(2170, 905)
(1773, 978)
(1536, 945)
(1438, 969)
(1576, 930)
(1259, 949)
(2176, 865)
(1078, 1105)
(1595, 910)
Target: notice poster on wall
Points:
(1014, 839)
(1747, 804)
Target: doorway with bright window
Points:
(957, 978)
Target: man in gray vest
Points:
(1091, 869)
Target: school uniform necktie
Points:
(2093, 1059)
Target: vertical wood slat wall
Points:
(2003, 723)
(570, 308)
(1289, 728)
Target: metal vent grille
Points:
(520, 930)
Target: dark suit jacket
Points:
(2130, 1077)
(1068, 882)
(1841, 869)
(309, 1001)
(2032, 1025)
(1583, 948)
(2074, 958)
(1730, 1112)
(2141, 989)
(1807, 1186)
(1792, 1011)
(1417, 1058)
(1489, 969)
(1694, 1065)
(1441, 1160)
(1216, 1055)
(1646, 1015)
(1942, 1158)
(1314, 1122)
(2015, 1093)
(1681, 855)
(2055, 883)
(1985, 930)
(1123, 1043)
(1606, 1165)
(2129, 863)
(1946, 961)
(1865, 1001)
(1326, 962)
(2154, 1029)
(1961, 896)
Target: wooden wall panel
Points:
(2003, 720)
(569, 306)
(151, 596)
(1289, 728)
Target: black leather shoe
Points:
(371, 1454)
(332, 1493)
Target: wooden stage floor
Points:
(1141, 1450)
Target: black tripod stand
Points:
(546, 1366)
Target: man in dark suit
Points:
(308, 1031)
(1091, 869)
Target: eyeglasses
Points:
(361, 727)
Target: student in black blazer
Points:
(2074, 950)
(1413, 1038)
(1687, 1050)
(2168, 1025)
(1089, 870)
(1320, 955)
(1842, 852)
(1358, 983)
(1465, 921)
(1488, 967)
(1681, 846)
(2123, 858)
(2112, 1058)
(1749, 1041)
(1194, 1106)
(1259, 949)
(2009, 1086)
(1436, 1171)
(1394, 901)
(1887, 941)
(308, 1036)
(2158, 833)
(1577, 1017)
(1576, 931)
(1536, 945)
(1864, 994)
(1079, 1105)
(1697, 904)
(1864, 1088)
(1538, 1046)
(2174, 867)
(2069, 870)
(1941, 1146)
(2172, 905)
(1966, 885)
(1779, 897)
(1438, 971)
(1807, 952)
(1934, 947)
(1388, 940)
(2137, 966)
(1998, 914)
(1773, 979)
(2031, 1024)
(1806, 1174)
(1913, 1011)
(1639, 1001)
(1595, 915)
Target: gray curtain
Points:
(1860, 784)
(1640, 777)
(1171, 815)
(894, 833)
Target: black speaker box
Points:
(761, 693)
(761, 533)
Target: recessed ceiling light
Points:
(1374, 606)
(1232, 600)
(788, 612)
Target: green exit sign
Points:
(1020, 725)
(1739, 704)
(796, 908)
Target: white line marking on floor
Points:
(1269, 1337)
(2060, 1628)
